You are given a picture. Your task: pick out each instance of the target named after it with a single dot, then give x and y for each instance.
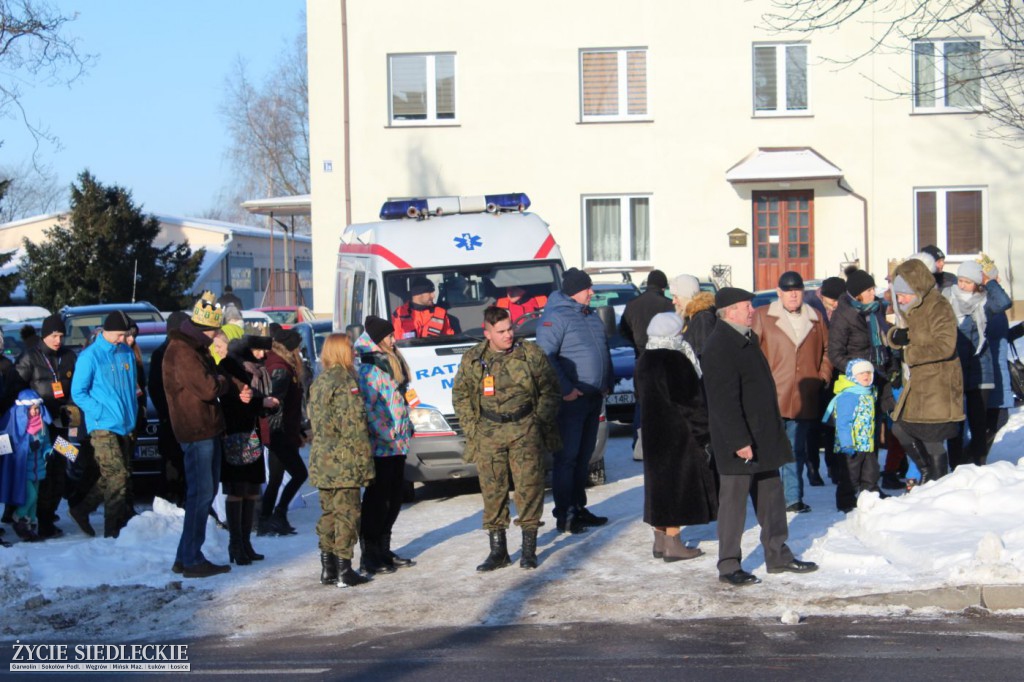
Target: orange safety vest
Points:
(517, 310)
(411, 323)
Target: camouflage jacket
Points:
(522, 376)
(341, 455)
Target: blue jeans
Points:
(577, 425)
(798, 431)
(202, 471)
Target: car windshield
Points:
(465, 292)
(282, 316)
(613, 297)
(81, 327)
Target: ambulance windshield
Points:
(447, 304)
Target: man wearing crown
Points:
(193, 387)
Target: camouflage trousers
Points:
(114, 485)
(525, 465)
(338, 526)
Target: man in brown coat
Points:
(193, 387)
(794, 339)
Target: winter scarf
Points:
(675, 343)
(965, 304)
(869, 311)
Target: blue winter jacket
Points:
(978, 368)
(573, 338)
(104, 387)
(996, 333)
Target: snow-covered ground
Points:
(963, 529)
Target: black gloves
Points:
(901, 336)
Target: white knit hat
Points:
(927, 259)
(684, 286)
(971, 270)
(859, 366)
(666, 325)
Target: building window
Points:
(422, 88)
(613, 85)
(617, 230)
(947, 75)
(780, 80)
(952, 219)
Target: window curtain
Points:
(765, 85)
(444, 70)
(600, 76)
(604, 230)
(409, 87)
(963, 84)
(796, 77)
(924, 75)
(640, 224)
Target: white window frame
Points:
(623, 80)
(431, 90)
(940, 93)
(782, 84)
(625, 244)
(941, 226)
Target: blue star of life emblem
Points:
(468, 241)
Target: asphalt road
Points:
(975, 646)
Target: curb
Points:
(951, 598)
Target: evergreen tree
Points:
(92, 255)
(8, 283)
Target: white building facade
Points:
(682, 136)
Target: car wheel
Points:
(596, 475)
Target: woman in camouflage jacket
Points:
(340, 460)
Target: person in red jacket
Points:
(420, 317)
(517, 303)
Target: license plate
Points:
(147, 452)
(620, 399)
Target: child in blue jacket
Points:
(30, 441)
(855, 407)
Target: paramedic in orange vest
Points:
(420, 317)
(517, 303)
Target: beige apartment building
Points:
(678, 135)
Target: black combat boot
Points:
(371, 561)
(498, 558)
(390, 557)
(529, 555)
(236, 550)
(347, 576)
(328, 569)
(280, 519)
(248, 516)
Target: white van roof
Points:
(452, 240)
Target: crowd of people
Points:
(732, 402)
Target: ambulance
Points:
(473, 250)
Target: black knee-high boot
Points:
(236, 550)
(248, 519)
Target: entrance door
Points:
(783, 235)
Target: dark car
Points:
(82, 321)
(619, 405)
(14, 346)
(313, 334)
(146, 465)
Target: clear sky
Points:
(147, 115)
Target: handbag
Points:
(1016, 373)
(242, 448)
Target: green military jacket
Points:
(341, 455)
(522, 376)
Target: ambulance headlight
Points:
(428, 421)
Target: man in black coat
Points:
(749, 441)
(639, 312)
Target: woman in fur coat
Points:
(679, 484)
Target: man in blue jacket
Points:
(575, 343)
(105, 388)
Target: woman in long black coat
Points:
(679, 484)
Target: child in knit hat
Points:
(30, 442)
(854, 408)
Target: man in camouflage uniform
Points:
(506, 396)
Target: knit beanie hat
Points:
(927, 259)
(685, 286)
(934, 251)
(421, 285)
(574, 281)
(833, 287)
(657, 279)
(858, 281)
(900, 286)
(858, 366)
(377, 328)
(666, 325)
(117, 321)
(289, 338)
(52, 324)
(970, 270)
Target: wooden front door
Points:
(783, 235)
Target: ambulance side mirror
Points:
(607, 315)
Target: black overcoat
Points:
(742, 405)
(679, 485)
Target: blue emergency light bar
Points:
(428, 206)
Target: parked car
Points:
(286, 316)
(82, 321)
(22, 313)
(13, 344)
(146, 465)
(313, 335)
(619, 405)
(766, 296)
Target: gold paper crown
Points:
(207, 312)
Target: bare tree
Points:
(985, 76)
(269, 129)
(34, 51)
(32, 190)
